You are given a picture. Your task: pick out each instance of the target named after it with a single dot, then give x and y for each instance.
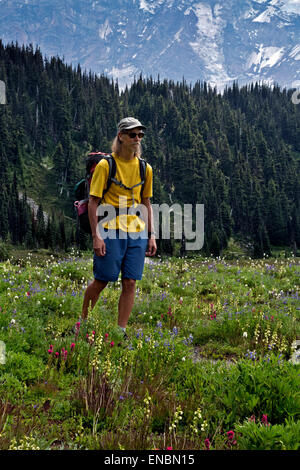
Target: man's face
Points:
(132, 138)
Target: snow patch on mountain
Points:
(208, 41)
(146, 6)
(176, 39)
(292, 6)
(265, 16)
(295, 52)
(150, 5)
(265, 57)
(104, 30)
(123, 74)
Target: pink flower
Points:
(112, 344)
(207, 443)
(72, 346)
(169, 448)
(50, 351)
(106, 335)
(264, 420)
(57, 354)
(252, 418)
(93, 333)
(28, 294)
(230, 435)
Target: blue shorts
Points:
(125, 255)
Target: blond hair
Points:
(116, 147)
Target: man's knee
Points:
(99, 285)
(128, 284)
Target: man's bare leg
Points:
(126, 301)
(91, 296)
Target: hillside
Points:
(237, 152)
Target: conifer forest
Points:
(237, 152)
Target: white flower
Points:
(245, 334)
(183, 358)
(13, 320)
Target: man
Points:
(126, 252)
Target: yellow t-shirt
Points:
(127, 172)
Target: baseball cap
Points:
(129, 123)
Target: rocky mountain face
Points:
(242, 40)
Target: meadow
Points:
(210, 363)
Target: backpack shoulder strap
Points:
(143, 167)
(112, 168)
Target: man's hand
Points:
(99, 246)
(151, 250)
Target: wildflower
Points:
(245, 334)
(27, 294)
(106, 335)
(180, 300)
(72, 346)
(112, 344)
(169, 448)
(230, 435)
(57, 354)
(264, 420)
(50, 351)
(207, 443)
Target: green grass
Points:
(209, 352)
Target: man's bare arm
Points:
(98, 242)
(152, 248)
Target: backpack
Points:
(82, 188)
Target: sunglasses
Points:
(133, 135)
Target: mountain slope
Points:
(212, 41)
